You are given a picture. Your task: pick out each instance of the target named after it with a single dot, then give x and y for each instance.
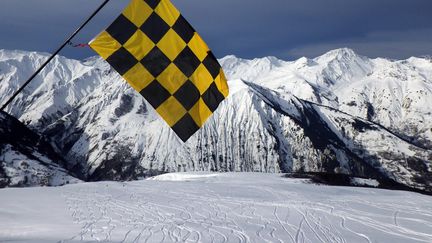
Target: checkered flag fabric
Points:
(160, 55)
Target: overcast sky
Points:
(286, 29)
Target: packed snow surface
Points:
(204, 207)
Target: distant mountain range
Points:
(338, 113)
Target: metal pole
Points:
(53, 55)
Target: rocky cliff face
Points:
(27, 159)
(337, 113)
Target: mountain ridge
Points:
(309, 115)
(28, 159)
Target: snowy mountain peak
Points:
(304, 62)
(312, 115)
(342, 54)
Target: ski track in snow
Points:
(205, 212)
(245, 207)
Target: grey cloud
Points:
(247, 28)
(391, 44)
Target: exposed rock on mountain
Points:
(337, 113)
(26, 159)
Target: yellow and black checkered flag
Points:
(160, 55)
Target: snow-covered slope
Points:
(185, 207)
(396, 94)
(328, 114)
(26, 159)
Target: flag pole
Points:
(53, 55)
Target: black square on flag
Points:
(155, 94)
(122, 60)
(155, 27)
(155, 62)
(212, 97)
(122, 29)
(188, 95)
(187, 61)
(185, 128)
(152, 3)
(183, 29)
(212, 65)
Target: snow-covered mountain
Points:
(27, 159)
(396, 94)
(337, 113)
